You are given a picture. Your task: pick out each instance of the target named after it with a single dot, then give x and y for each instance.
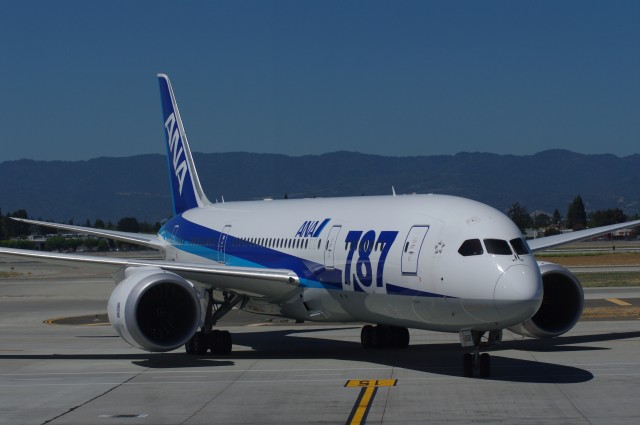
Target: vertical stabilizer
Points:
(186, 190)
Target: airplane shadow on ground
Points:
(438, 358)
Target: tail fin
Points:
(186, 190)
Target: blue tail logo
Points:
(185, 186)
(176, 151)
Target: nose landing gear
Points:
(475, 360)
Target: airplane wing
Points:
(565, 238)
(151, 241)
(270, 283)
(246, 280)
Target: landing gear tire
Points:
(485, 365)
(377, 337)
(474, 360)
(366, 336)
(198, 344)
(467, 365)
(403, 338)
(220, 342)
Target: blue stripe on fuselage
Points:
(203, 242)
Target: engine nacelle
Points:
(154, 310)
(562, 303)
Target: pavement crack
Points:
(90, 400)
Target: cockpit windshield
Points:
(497, 247)
(471, 247)
(520, 246)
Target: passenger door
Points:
(222, 243)
(412, 247)
(330, 247)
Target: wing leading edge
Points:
(150, 241)
(565, 238)
(269, 283)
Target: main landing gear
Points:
(476, 361)
(208, 339)
(383, 336)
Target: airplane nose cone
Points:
(518, 293)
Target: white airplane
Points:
(432, 262)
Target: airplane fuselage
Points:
(395, 260)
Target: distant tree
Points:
(55, 243)
(520, 216)
(550, 231)
(286, 196)
(576, 215)
(16, 229)
(150, 228)
(73, 244)
(557, 218)
(103, 246)
(2, 237)
(18, 243)
(98, 224)
(606, 217)
(91, 243)
(129, 224)
(541, 221)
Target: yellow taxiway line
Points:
(363, 404)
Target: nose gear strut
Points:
(475, 360)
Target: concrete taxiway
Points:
(281, 372)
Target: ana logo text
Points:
(311, 228)
(175, 148)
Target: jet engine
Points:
(562, 303)
(154, 310)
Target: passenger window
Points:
(520, 246)
(497, 247)
(471, 247)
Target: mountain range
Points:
(138, 186)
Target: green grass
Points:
(612, 279)
(575, 254)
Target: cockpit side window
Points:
(520, 246)
(471, 247)
(497, 247)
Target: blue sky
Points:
(308, 77)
